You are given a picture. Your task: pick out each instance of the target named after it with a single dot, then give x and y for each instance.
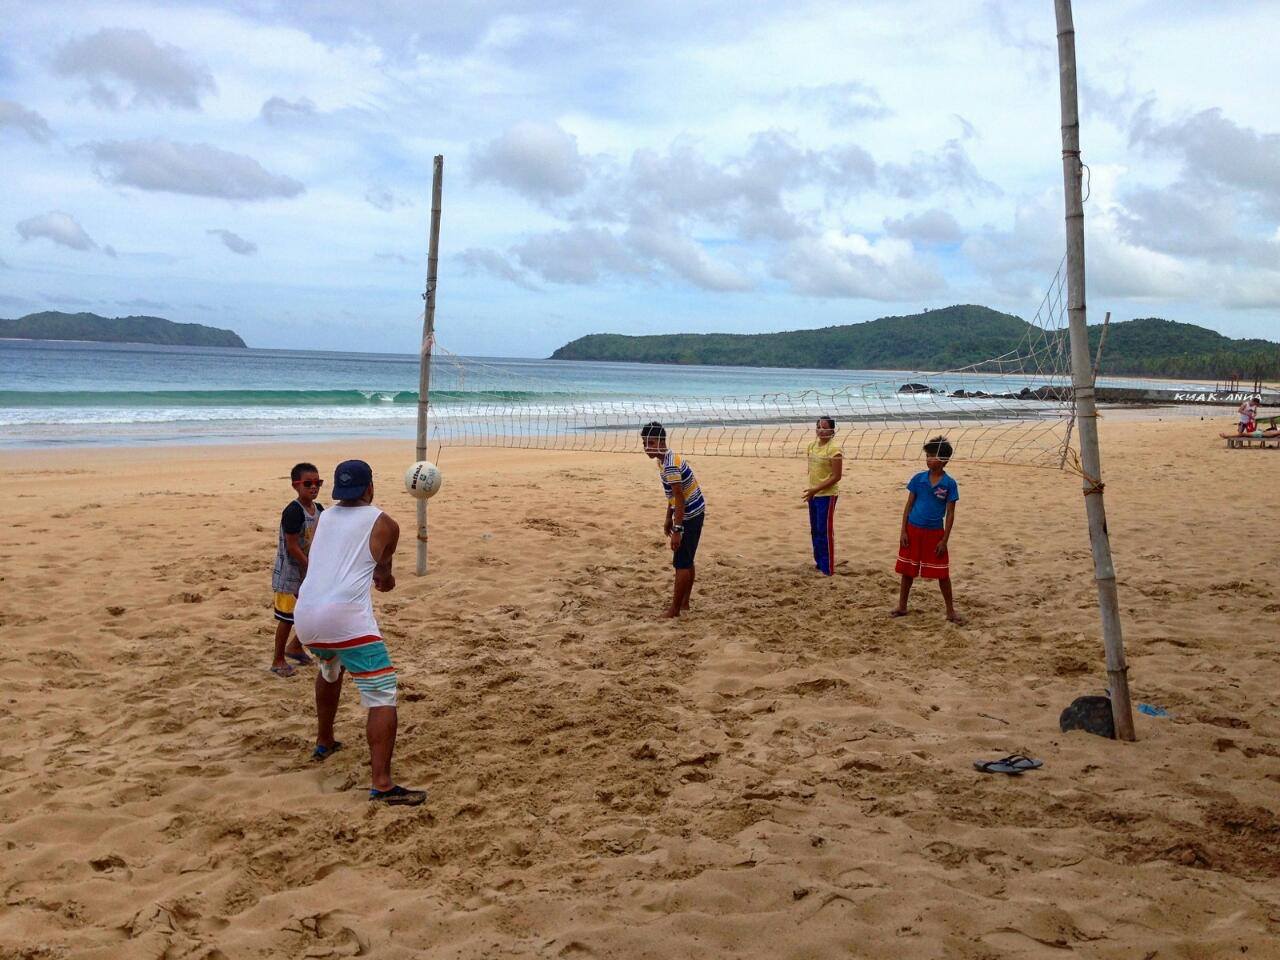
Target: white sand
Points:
(787, 773)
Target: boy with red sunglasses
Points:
(297, 528)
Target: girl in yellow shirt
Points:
(826, 465)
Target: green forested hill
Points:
(938, 340)
(52, 325)
(934, 340)
(1167, 348)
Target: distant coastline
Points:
(92, 328)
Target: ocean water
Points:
(59, 393)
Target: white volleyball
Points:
(423, 480)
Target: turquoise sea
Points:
(59, 393)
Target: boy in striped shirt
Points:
(685, 511)
(297, 528)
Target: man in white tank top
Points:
(352, 551)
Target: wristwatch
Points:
(677, 528)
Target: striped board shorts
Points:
(284, 604)
(368, 662)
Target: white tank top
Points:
(334, 602)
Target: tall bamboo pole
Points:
(424, 356)
(1104, 573)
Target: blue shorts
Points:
(683, 558)
(368, 662)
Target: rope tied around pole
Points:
(1072, 463)
(1084, 167)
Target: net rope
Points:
(1016, 408)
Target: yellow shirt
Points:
(821, 468)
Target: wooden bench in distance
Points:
(1262, 443)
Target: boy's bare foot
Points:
(670, 614)
(955, 618)
(897, 613)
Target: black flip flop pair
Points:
(1013, 764)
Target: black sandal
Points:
(324, 753)
(1013, 764)
(398, 796)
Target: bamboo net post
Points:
(424, 356)
(1104, 573)
(1097, 355)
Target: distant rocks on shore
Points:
(1026, 393)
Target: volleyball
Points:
(423, 480)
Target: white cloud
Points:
(844, 103)
(1185, 221)
(234, 242)
(1121, 271)
(746, 190)
(931, 226)
(685, 257)
(399, 258)
(1016, 35)
(1215, 148)
(16, 116)
(1021, 260)
(384, 198)
(156, 74)
(492, 262)
(851, 265)
(193, 168)
(1254, 291)
(538, 160)
(278, 111)
(59, 227)
(580, 255)
(949, 169)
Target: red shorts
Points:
(919, 558)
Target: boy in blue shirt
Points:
(927, 520)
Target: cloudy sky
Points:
(671, 165)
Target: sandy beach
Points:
(785, 773)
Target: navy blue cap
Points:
(351, 478)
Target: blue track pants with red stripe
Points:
(822, 527)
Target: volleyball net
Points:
(1016, 408)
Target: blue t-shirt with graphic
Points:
(930, 507)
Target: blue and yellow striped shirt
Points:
(675, 469)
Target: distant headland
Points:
(53, 325)
(946, 339)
